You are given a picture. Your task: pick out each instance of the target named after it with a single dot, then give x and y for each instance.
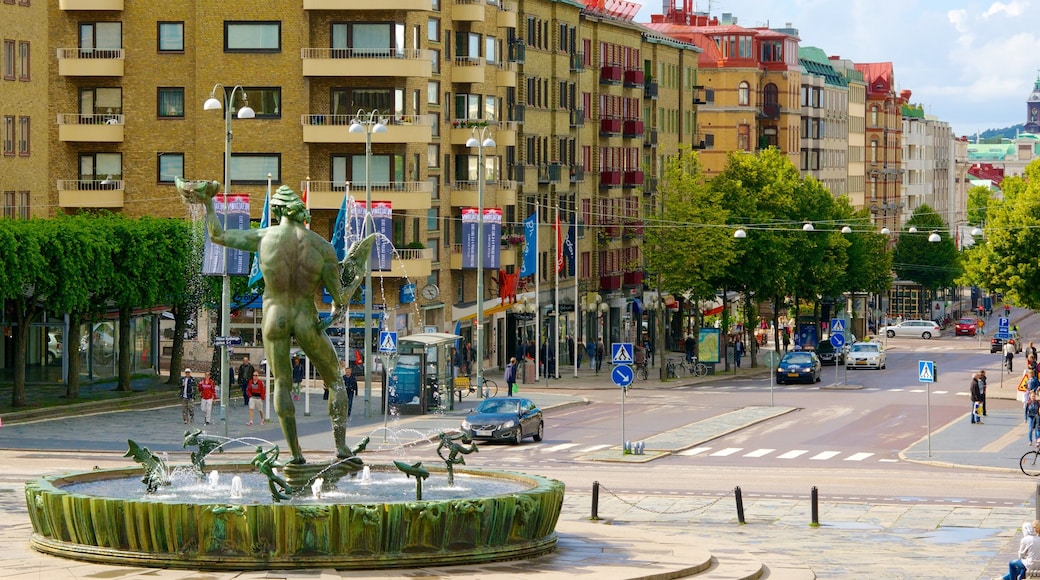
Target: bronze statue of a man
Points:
(296, 264)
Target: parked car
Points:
(965, 326)
(830, 355)
(800, 365)
(923, 328)
(997, 344)
(866, 355)
(504, 419)
(53, 349)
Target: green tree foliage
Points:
(933, 265)
(26, 284)
(979, 198)
(1007, 261)
(869, 261)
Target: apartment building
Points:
(856, 126)
(825, 121)
(884, 145)
(23, 109)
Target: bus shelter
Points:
(421, 377)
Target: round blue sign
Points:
(622, 375)
(837, 340)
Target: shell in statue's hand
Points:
(196, 192)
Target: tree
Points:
(28, 283)
(1007, 262)
(933, 265)
(979, 198)
(869, 265)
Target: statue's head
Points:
(285, 203)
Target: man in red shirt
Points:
(257, 393)
(208, 393)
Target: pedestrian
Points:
(456, 363)
(570, 350)
(738, 351)
(1032, 416)
(350, 383)
(188, 397)
(245, 375)
(1009, 354)
(1028, 553)
(600, 352)
(468, 358)
(787, 339)
(297, 376)
(510, 376)
(982, 391)
(649, 349)
(581, 351)
(975, 418)
(691, 345)
(1031, 350)
(207, 394)
(257, 393)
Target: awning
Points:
(429, 338)
(488, 311)
(714, 311)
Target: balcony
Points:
(650, 90)
(90, 62)
(632, 128)
(468, 70)
(650, 138)
(408, 263)
(578, 118)
(610, 282)
(402, 5)
(506, 74)
(577, 174)
(526, 176)
(90, 128)
(609, 178)
(650, 187)
(633, 178)
(366, 62)
(770, 111)
(402, 195)
(517, 113)
(507, 257)
(549, 173)
(507, 14)
(90, 4)
(468, 10)
(76, 193)
(634, 78)
(612, 231)
(610, 75)
(321, 128)
(578, 61)
(496, 193)
(503, 133)
(609, 126)
(633, 278)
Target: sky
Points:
(969, 63)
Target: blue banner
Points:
(233, 212)
(492, 242)
(470, 221)
(530, 245)
(339, 232)
(570, 248)
(255, 275)
(383, 222)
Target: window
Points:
(171, 37)
(23, 60)
(253, 37)
(350, 101)
(106, 37)
(743, 94)
(433, 89)
(265, 101)
(98, 170)
(8, 60)
(23, 136)
(170, 102)
(252, 168)
(491, 49)
(433, 153)
(23, 205)
(101, 100)
(433, 30)
(9, 135)
(170, 165)
(433, 221)
(9, 204)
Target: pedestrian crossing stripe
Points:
(621, 353)
(926, 371)
(387, 342)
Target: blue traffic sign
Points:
(1003, 335)
(622, 353)
(1003, 323)
(837, 325)
(926, 371)
(622, 375)
(227, 340)
(387, 341)
(837, 340)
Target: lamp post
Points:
(481, 138)
(367, 123)
(244, 112)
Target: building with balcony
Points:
(884, 145)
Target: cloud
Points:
(1013, 9)
(959, 19)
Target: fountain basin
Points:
(259, 536)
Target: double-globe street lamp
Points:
(481, 138)
(244, 112)
(367, 122)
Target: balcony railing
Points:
(610, 178)
(632, 128)
(610, 282)
(578, 118)
(578, 61)
(367, 62)
(611, 74)
(90, 62)
(770, 111)
(107, 128)
(633, 178)
(610, 126)
(577, 174)
(650, 187)
(516, 113)
(633, 278)
(634, 78)
(650, 90)
(549, 173)
(650, 138)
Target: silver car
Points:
(923, 328)
(866, 355)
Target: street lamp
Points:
(244, 112)
(367, 123)
(481, 138)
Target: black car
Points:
(504, 419)
(829, 355)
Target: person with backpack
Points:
(1033, 417)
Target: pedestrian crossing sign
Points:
(837, 325)
(621, 353)
(926, 371)
(387, 341)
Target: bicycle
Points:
(643, 370)
(490, 388)
(676, 370)
(1030, 461)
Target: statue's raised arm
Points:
(201, 193)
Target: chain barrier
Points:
(653, 511)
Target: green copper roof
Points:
(815, 62)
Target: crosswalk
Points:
(766, 452)
(816, 387)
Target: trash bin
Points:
(530, 372)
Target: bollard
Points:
(595, 501)
(815, 500)
(740, 504)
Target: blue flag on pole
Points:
(255, 275)
(339, 232)
(530, 245)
